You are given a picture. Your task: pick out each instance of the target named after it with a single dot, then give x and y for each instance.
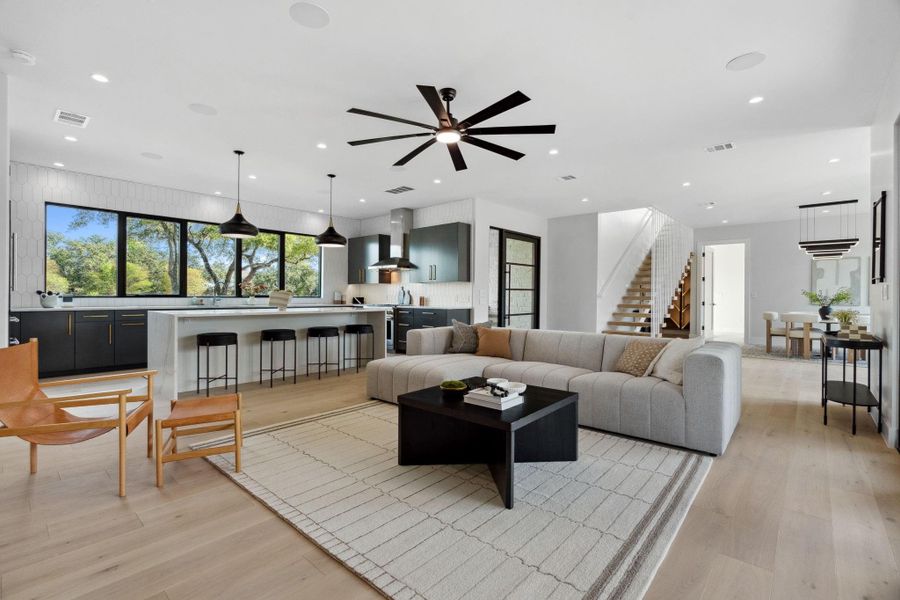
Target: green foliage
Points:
(846, 316)
(152, 257)
(820, 298)
(86, 267)
(301, 265)
(210, 260)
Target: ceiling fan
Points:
(450, 131)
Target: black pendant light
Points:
(330, 238)
(237, 226)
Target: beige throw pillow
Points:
(493, 342)
(670, 365)
(638, 356)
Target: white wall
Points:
(4, 209)
(884, 174)
(728, 288)
(572, 273)
(489, 214)
(32, 186)
(776, 270)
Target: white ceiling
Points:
(637, 88)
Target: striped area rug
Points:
(594, 528)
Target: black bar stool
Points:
(319, 333)
(272, 336)
(358, 329)
(217, 339)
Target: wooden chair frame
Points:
(167, 451)
(123, 422)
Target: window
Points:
(81, 251)
(260, 262)
(302, 265)
(152, 264)
(210, 261)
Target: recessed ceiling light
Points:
(584, 199)
(826, 211)
(100, 78)
(203, 109)
(251, 176)
(826, 193)
(724, 220)
(710, 205)
(321, 210)
(321, 145)
(151, 155)
(554, 151)
(834, 160)
(745, 61)
(58, 164)
(217, 193)
(686, 184)
(437, 180)
(362, 199)
(70, 138)
(756, 99)
(309, 15)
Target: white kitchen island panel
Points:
(172, 342)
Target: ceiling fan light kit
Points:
(237, 226)
(451, 131)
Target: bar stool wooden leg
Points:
(150, 432)
(238, 440)
(32, 456)
(159, 451)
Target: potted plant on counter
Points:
(49, 299)
(825, 301)
(252, 290)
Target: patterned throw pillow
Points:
(465, 338)
(639, 355)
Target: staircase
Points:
(632, 316)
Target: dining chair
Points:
(28, 413)
(770, 317)
(799, 326)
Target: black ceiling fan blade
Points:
(433, 99)
(369, 113)
(486, 145)
(414, 153)
(513, 100)
(387, 139)
(513, 130)
(456, 154)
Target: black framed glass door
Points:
(515, 270)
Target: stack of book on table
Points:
(483, 397)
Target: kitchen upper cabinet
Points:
(441, 252)
(55, 332)
(362, 252)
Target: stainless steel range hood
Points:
(401, 224)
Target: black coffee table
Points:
(434, 431)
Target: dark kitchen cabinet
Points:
(407, 318)
(362, 252)
(95, 346)
(131, 338)
(55, 332)
(441, 252)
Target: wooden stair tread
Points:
(639, 324)
(639, 315)
(638, 333)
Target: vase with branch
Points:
(826, 300)
(251, 290)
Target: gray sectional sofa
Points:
(701, 414)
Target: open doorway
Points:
(724, 310)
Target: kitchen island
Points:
(172, 341)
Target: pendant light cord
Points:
(239, 185)
(331, 200)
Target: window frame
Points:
(122, 247)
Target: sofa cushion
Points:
(465, 337)
(387, 378)
(536, 373)
(582, 350)
(613, 347)
(639, 356)
(599, 398)
(670, 363)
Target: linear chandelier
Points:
(829, 240)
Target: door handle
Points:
(96, 316)
(109, 326)
(134, 315)
(13, 260)
(69, 324)
(131, 324)
(435, 273)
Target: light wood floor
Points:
(793, 510)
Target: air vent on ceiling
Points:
(70, 118)
(720, 147)
(399, 190)
(566, 177)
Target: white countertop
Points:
(262, 305)
(271, 312)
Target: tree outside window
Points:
(81, 251)
(259, 260)
(302, 265)
(211, 261)
(152, 257)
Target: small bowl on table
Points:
(453, 390)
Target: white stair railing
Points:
(673, 243)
